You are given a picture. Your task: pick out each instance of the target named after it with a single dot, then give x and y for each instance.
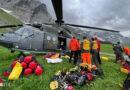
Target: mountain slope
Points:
(29, 11)
(6, 19)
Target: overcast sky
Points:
(111, 14)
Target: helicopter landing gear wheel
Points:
(21, 54)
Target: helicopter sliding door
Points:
(50, 41)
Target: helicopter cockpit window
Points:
(24, 32)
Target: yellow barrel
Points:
(104, 58)
(124, 70)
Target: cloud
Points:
(113, 14)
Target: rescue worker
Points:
(94, 51)
(79, 51)
(119, 52)
(73, 46)
(85, 50)
(127, 51)
(98, 55)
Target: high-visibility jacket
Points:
(126, 50)
(94, 45)
(74, 45)
(85, 46)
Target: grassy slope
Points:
(6, 19)
(106, 48)
(109, 82)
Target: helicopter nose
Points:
(4, 43)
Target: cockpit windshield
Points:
(24, 32)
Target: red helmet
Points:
(33, 65)
(24, 65)
(70, 88)
(13, 64)
(38, 70)
(28, 59)
(27, 71)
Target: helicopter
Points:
(42, 38)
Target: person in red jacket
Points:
(98, 43)
(127, 51)
(74, 46)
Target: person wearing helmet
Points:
(73, 46)
(94, 51)
(85, 50)
(98, 55)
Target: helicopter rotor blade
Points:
(90, 27)
(57, 5)
(9, 26)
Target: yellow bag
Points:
(124, 70)
(104, 58)
(17, 70)
(54, 85)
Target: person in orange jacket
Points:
(85, 50)
(127, 51)
(73, 46)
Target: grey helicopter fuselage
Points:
(32, 39)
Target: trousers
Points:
(86, 56)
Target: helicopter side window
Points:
(48, 37)
(54, 39)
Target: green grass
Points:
(107, 48)
(7, 19)
(110, 81)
